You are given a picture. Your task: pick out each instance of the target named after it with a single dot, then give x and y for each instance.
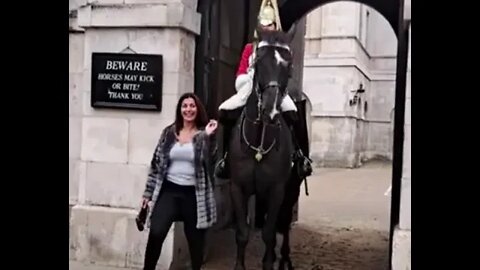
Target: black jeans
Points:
(175, 203)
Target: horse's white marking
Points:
(282, 46)
(274, 109)
(280, 59)
(264, 44)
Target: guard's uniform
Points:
(244, 85)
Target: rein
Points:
(261, 150)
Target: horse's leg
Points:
(285, 251)
(240, 202)
(283, 227)
(269, 231)
(286, 217)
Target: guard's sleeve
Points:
(244, 61)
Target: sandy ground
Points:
(342, 225)
(325, 248)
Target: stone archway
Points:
(292, 10)
(393, 11)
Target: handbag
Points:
(141, 218)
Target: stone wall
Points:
(110, 149)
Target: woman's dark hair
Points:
(201, 120)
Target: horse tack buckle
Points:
(258, 156)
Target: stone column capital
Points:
(145, 15)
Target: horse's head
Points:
(273, 66)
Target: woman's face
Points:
(189, 110)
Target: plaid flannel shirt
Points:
(204, 149)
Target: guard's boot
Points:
(302, 163)
(228, 120)
(222, 169)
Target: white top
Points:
(182, 169)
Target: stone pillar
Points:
(402, 237)
(298, 48)
(330, 73)
(76, 47)
(381, 46)
(110, 149)
(313, 32)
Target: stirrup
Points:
(303, 164)
(307, 169)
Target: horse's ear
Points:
(291, 32)
(259, 33)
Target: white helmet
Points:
(269, 14)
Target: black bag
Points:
(142, 218)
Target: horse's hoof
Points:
(282, 263)
(239, 267)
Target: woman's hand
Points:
(211, 127)
(145, 202)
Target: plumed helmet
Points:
(269, 14)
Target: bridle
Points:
(272, 84)
(261, 150)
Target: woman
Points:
(180, 182)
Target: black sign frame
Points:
(104, 94)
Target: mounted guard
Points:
(263, 136)
(230, 109)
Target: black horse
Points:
(290, 199)
(261, 145)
